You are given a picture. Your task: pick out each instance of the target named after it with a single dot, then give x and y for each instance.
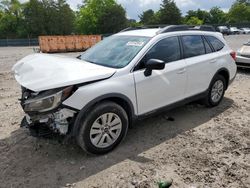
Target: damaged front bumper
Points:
(58, 122)
(57, 119)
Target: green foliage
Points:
(169, 13)
(239, 13)
(200, 14)
(35, 15)
(134, 23)
(112, 19)
(194, 21)
(34, 18)
(11, 18)
(148, 17)
(214, 16)
(247, 2)
(55, 17)
(48, 17)
(217, 16)
(100, 17)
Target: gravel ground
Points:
(201, 148)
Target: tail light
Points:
(233, 54)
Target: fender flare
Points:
(217, 73)
(87, 107)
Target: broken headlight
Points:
(44, 103)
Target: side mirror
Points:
(153, 64)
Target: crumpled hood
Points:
(39, 72)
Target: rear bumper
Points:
(240, 60)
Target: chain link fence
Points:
(19, 42)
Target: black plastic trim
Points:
(243, 64)
(220, 70)
(174, 105)
(87, 107)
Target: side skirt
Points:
(172, 106)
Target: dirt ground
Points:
(201, 148)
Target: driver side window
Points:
(167, 50)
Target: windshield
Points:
(115, 51)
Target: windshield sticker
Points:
(134, 43)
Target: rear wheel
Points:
(216, 91)
(103, 128)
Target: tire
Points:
(219, 84)
(97, 137)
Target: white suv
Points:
(127, 76)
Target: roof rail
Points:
(143, 27)
(173, 28)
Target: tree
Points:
(112, 20)
(90, 16)
(11, 22)
(66, 18)
(169, 13)
(35, 20)
(200, 14)
(48, 17)
(148, 17)
(247, 2)
(239, 12)
(217, 16)
(133, 23)
(194, 21)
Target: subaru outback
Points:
(127, 76)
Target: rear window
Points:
(216, 43)
(193, 46)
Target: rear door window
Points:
(193, 46)
(207, 47)
(216, 43)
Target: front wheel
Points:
(103, 128)
(216, 91)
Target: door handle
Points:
(181, 71)
(213, 61)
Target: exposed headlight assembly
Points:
(44, 103)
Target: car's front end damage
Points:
(45, 113)
(47, 81)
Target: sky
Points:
(136, 7)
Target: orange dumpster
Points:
(70, 43)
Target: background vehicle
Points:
(235, 31)
(123, 78)
(243, 56)
(246, 30)
(205, 28)
(224, 30)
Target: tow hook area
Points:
(46, 125)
